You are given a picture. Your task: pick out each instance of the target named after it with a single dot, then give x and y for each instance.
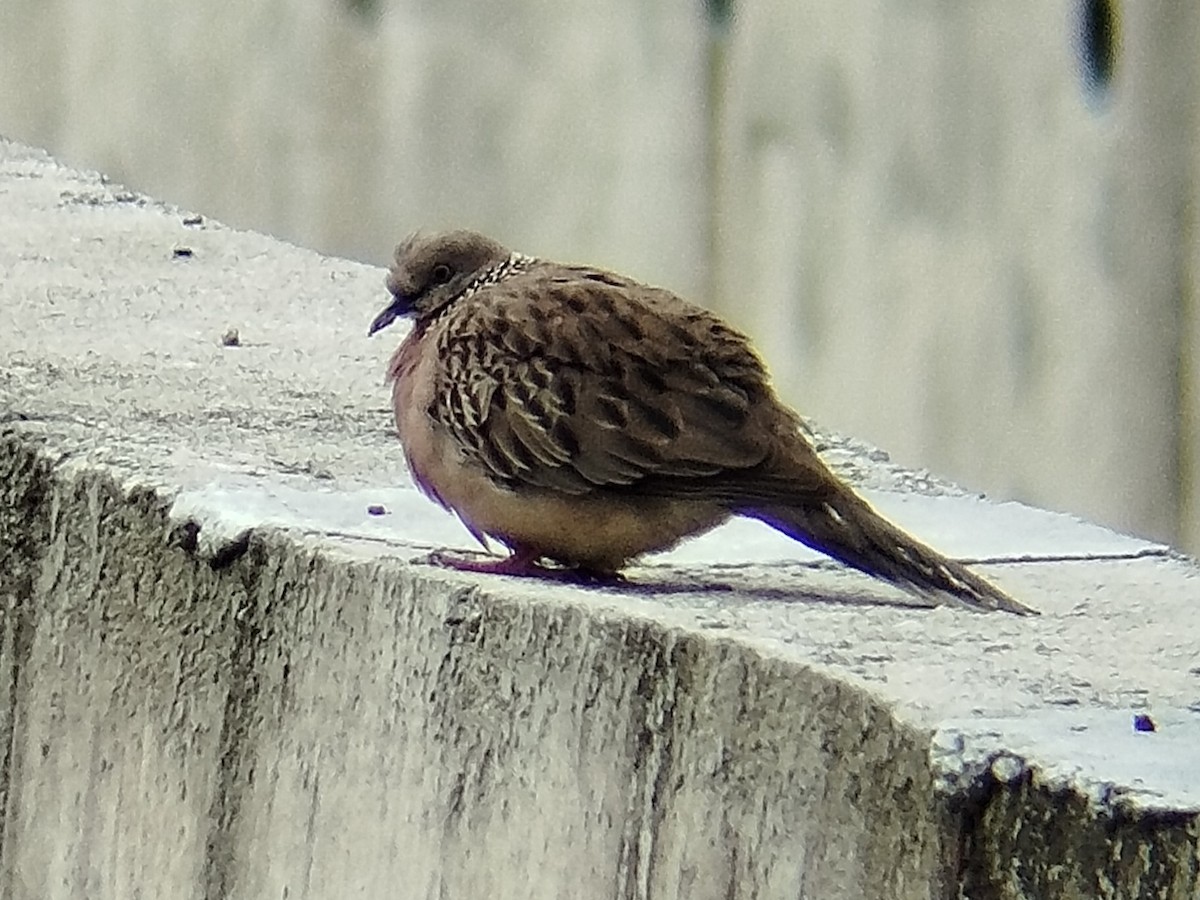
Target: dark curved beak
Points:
(390, 313)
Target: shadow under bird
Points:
(583, 418)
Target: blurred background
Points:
(965, 231)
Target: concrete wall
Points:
(944, 242)
(302, 724)
(222, 676)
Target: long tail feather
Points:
(847, 528)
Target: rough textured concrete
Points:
(221, 676)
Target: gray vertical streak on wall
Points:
(1175, 109)
(1190, 363)
(24, 482)
(1148, 234)
(117, 685)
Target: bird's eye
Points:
(440, 273)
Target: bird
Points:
(583, 419)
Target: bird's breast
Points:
(413, 374)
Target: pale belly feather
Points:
(601, 531)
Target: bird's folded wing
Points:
(567, 381)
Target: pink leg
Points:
(521, 562)
(524, 563)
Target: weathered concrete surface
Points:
(286, 702)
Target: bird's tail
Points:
(847, 528)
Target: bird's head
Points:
(431, 271)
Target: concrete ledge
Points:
(221, 676)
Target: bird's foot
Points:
(527, 564)
(520, 564)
